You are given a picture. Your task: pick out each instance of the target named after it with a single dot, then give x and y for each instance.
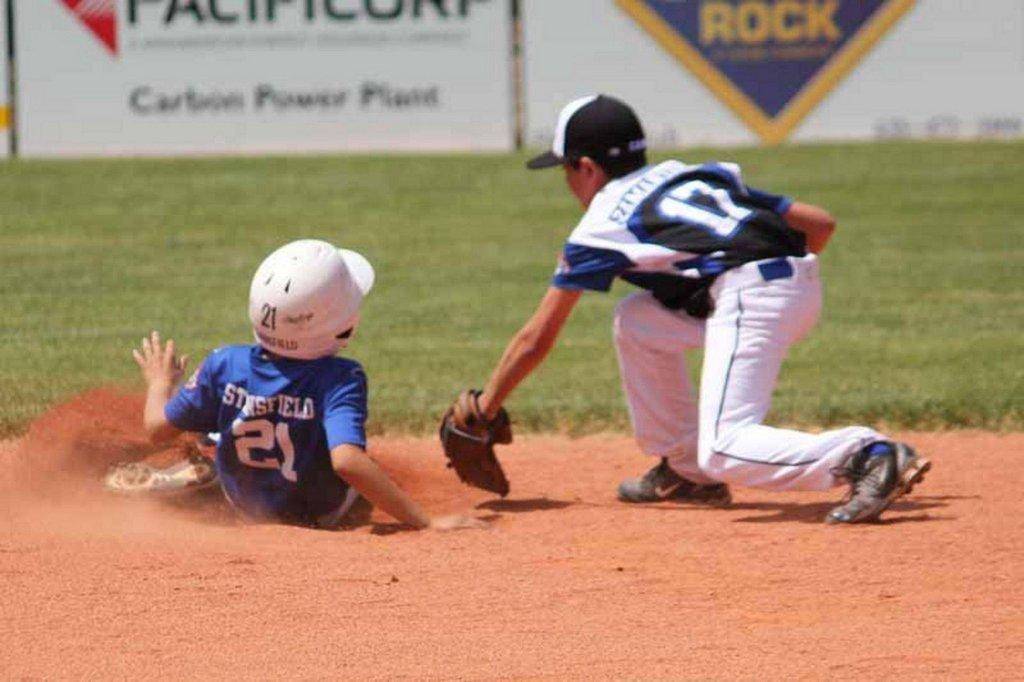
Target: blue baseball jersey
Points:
(278, 420)
(672, 228)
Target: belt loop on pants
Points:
(777, 268)
(754, 273)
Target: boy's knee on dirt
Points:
(707, 447)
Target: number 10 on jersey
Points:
(701, 205)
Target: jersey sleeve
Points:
(589, 268)
(194, 407)
(345, 411)
(776, 203)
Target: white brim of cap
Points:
(360, 269)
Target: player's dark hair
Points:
(623, 165)
(617, 167)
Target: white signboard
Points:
(250, 76)
(5, 109)
(730, 72)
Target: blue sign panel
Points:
(771, 61)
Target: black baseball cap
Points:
(601, 127)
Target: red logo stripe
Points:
(100, 17)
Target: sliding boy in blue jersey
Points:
(288, 415)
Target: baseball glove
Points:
(468, 439)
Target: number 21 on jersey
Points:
(699, 204)
(261, 434)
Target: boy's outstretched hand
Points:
(159, 365)
(162, 370)
(456, 523)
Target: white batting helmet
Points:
(305, 297)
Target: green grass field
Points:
(924, 301)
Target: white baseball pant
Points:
(761, 309)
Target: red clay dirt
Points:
(566, 583)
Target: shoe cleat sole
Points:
(141, 479)
(913, 475)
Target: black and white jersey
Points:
(673, 228)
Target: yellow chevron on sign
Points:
(770, 61)
(5, 118)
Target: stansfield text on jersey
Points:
(292, 407)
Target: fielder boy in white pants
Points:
(723, 267)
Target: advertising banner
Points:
(771, 62)
(250, 76)
(747, 71)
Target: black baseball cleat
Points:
(662, 483)
(878, 475)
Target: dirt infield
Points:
(567, 583)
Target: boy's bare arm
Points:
(816, 223)
(162, 370)
(363, 474)
(528, 347)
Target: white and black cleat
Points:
(878, 476)
(134, 478)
